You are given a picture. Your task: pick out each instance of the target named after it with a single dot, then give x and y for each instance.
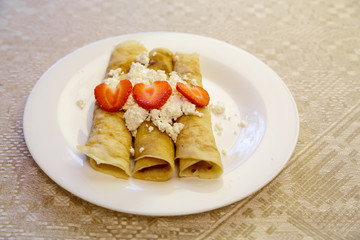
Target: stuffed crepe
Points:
(109, 142)
(154, 150)
(196, 149)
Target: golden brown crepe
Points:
(154, 150)
(196, 149)
(161, 59)
(109, 141)
(124, 55)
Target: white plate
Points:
(54, 125)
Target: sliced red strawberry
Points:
(196, 95)
(152, 97)
(112, 99)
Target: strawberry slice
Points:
(152, 97)
(196, 95)
(112, 99)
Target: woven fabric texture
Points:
(314, 46)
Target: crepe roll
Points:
(154, 150)
(196, 148)
(154, 154)
(108, 145)
(109, 142)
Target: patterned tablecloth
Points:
(314, 45)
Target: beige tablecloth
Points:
(314, 45)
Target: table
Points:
(314, 46)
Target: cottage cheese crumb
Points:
(218, 108)
(174, 79)
(151, 128)
(175, 130)
(172, 109)
(115, 73)
(129, 103)
(193, 82)
(190, 109)
(218, 127)
(186, 76)
(141, 149)
(114, 77)
(132, 151)
(141, 74)
(242, 124)
(112, 82)
(143, 58)
(80, 103)
(165, 123)
(134, 116)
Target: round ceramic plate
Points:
(252, 154)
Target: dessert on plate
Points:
(152, 105)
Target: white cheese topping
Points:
(141, 74)
(129, 102)
(193, 82)
(175, 130)
(163, 118)
(143, 58)
(114, 77)
(218, 127)
(190, 109)
(141, 149)
(171, 109)
(174, 79)
(134, 116)
(132, 151)
(175, 107)
(186, 76)
(80, 103)
(112, 82)
(218, 108)
(115, 73)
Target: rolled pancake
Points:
(109, 142)
(154, 150)
(196, 148)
